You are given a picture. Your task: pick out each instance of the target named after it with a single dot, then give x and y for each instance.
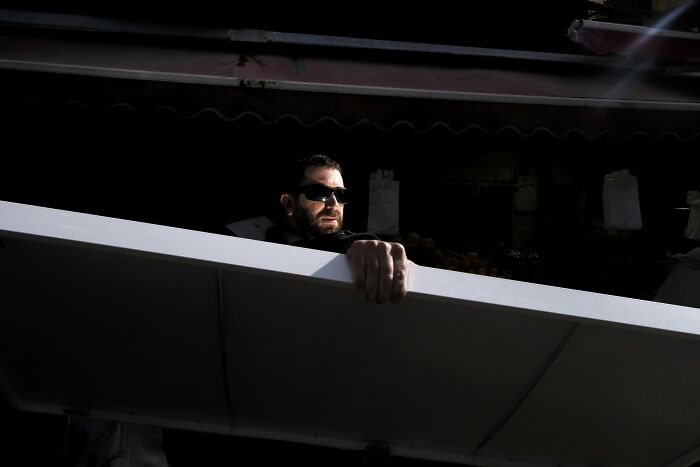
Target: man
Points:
(313, 202)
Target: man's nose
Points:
(331, 200)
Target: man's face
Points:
(319, 217)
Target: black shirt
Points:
(337, 242)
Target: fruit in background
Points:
(412, 237)
(428, 243)
(450, 264)
(424, 252)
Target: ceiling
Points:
(504, 24)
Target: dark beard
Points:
(310, 225)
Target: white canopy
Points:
(121, 320)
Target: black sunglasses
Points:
(319, 192)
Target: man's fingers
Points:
(399, 284)
(385, 275)
(372, 268)
(380, 269)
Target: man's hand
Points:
(379, 269)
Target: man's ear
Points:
(287, 202)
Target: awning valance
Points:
(458, 95)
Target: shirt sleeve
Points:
(337, 243)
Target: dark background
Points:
(203, 173)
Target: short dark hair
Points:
(296, 173)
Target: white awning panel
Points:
(121, 320)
